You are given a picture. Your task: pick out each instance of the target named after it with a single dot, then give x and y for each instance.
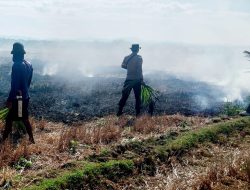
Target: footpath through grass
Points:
(93, 175)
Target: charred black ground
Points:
(59, 99)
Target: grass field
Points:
(164, 152)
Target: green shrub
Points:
(232, 108)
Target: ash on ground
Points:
(58, 99)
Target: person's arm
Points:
(124, 63)
(140, 60)
(31, 75)
(15, 79)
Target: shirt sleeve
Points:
(15, 80)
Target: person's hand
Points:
(9, 104)
(124, 66)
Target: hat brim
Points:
(135, 48)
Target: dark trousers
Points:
(128, 86)
(12, 116)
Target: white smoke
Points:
(224, 66)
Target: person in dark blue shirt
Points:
(21, 77)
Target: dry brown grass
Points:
(39, 124)
(9, 154)
(247, 168)
(146, 125)
(161, 124)
(73, 133)
(212, 166)
(51, 150)
(6, 175)
(102, 132)
(226, 170)
(1, 125)
(223, 176)
(52, 139)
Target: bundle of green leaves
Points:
(3, 113)
(17, 124)
(148, 95)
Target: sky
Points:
(223, 22)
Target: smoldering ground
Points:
(191, 79)
(224, 66)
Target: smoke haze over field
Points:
(225, 66)
(195, 40)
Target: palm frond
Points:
(148, 94)
(3, 113)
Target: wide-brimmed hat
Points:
(135, 47)
(18, 48)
